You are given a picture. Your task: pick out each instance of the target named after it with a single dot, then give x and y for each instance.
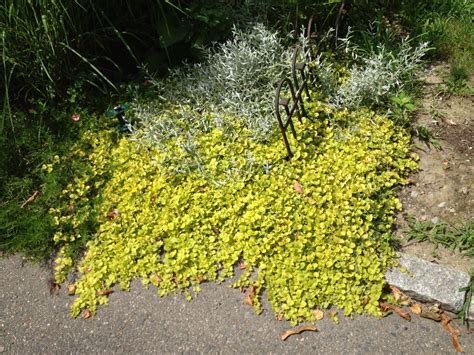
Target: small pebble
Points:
(442, 204)
(2, 349)
(434, 220)
(414, 194)
(465, 190)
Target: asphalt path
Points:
(216, 321)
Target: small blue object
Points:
(119, 112)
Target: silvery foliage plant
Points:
(377, 75)
(234, 86)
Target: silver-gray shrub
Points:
(235, 84)
(378, 75)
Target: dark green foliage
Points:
(22, 157)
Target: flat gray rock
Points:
(429, 282)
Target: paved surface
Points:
(32, 321)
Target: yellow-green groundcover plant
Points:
(313, 232)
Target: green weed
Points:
(459, 238)
(469, 289)
(426, 134)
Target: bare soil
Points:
(443, 188)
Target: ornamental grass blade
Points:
(298, 330)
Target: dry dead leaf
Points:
(156, 279)
(70, 209)
(113, 214)
(416, 308)
(30, 199)
(446, 323)
(298, 188)
(333, 313)
(431, 315)
(104, 292)
(242, 266)
(71, 289)
(54, 287)
(434, 308)
(86, 314)
(250, 296)
(298, 330)
(451, 122)
(399, 296)
(456, 344)
(318, 314)
(280, 316)
(387, 306)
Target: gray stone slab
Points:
(429, 282)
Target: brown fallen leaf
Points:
(456, 343)
(86, 314)
(435, 308)
(280, 317)
(113, 214)
(431, 315)
(156, 279)
(54, 288)
(242, 266)
(446, 323)
(416, 308)
(70, 209)
(104, 292)
(250, 296)
(318, 314)
(298, 330)
(30, 199)
(400, 297)
(387, 306)
(298, 188)
(71, 289)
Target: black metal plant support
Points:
(295, 88)
(295, 104)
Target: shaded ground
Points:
(32, 321)
(443, 189)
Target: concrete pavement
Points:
(217, 321)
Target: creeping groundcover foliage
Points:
(312, 232)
